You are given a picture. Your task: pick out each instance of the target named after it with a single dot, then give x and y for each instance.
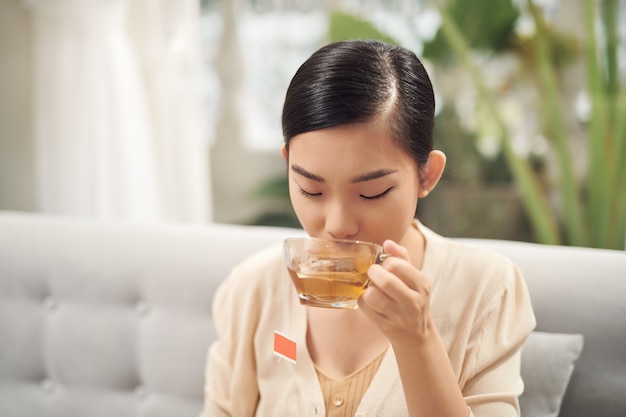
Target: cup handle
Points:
(380, 258)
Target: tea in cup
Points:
(330, 273)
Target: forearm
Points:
(429, 383)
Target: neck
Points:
(415, 243)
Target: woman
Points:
(437, 333)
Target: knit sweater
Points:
(479, 302)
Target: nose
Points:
(341, 222)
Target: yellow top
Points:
(343, 397)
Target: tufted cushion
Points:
(104, 320)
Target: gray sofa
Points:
(102, 319)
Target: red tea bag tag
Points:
(284, 347)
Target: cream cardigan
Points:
(479, 302)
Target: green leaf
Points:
(485, 25)
(345, 26)
(274, 188)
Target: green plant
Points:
(594, 209)
(276, 190)
(344, 26)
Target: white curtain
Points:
(119, 130)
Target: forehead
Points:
(357, 144)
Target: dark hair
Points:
(358, 81)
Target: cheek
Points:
(386, 219)
(400, 213)
(303, 207)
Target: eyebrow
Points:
(299, 170)
(372, 175)
(359, 178)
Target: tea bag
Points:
(314, 264)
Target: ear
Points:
(432, 172)
(284, 153)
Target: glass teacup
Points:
(330, 273)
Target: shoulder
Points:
(477, 292)
(452, 254)
(475, 270)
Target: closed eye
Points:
(377, 196)
(308, 194)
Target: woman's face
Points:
(352, 182)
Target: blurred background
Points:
(169, 110)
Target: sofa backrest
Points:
(102, 319)
(110, 320)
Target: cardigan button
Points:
(338, 400)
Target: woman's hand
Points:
(398, 298)
(398, 301)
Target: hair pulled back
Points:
(359, 81)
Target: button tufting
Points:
(142, 308)
(140, 391)
(338, 400)
(50, 303)
(47, 385)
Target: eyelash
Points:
(309, 195)
(378, 196)
(375, 197)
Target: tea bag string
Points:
(285, 289)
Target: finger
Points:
(400, 274)
(374, 302)
(390, 314)
(390, 285)
(392, 248)
(400, 266)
